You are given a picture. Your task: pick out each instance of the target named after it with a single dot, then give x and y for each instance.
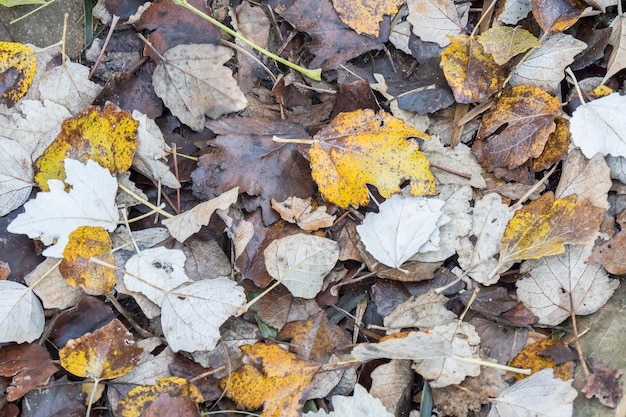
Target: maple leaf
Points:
(434, 20)
(278, 384)
(364, 16)
(17, 69)
(364, 147)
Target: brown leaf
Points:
(610, 254)
(86, 316)
(556, 147)
(29, 365)
(557, 15)
(602, 383)
(63, 398)
(280, 307)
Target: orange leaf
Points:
(17, 70)
(108, 137)
(364, 147)
(167, 392)
(364, 16)
(107, 353)
(541, 355)
(472, 74)
(544, 226)
(278, 384)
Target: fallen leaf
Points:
(544, 226)
(53, 215)
(193, 83)
(472, 73)
(390, 384)
(68, 85)
(534, 357)
(445, 160)
(141, 398)
(500, 342)
(107, 353)
(556, 147)
(602, 383)
(361, 404)
(62, 398)
(557, 15)
(403, 227)
(277, 384)
(434, 20)
(538, 395)
(596, 128)
(364, 16)
(609, 253)
(107, 136)
(544, 67)
(517, 126)
(53, 291)
(17, 69)
(617, 59)
(586, 178)
(86, 316)
(16, 175)
(299, 211)
(279, 307)
(191, 221)
(364, 147)
(505, 42)
(514, 11)
(300, 262)
(424, 311)
(565, 284)
(28, 366)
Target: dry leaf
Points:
(547, 353)
(434, 20)
(390, 384)
(54, 291)
(361, 404)
(17, 69)
(28, 365)
(617, 59)
(16, 175)
(364, 16)
(21, 314)
(445, 160)
(424, 311)
(140, 398)
(68, 85)
(504, 42)
(299, 211)
(514, 11)
(557, 15)
(586, 178)
(193, 83)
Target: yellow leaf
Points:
(85, 242)
(364, 147)
(141, 397)
(556, 147)
(537, 356)
(277, 385)
(544, 226)
(504, 42)
(108, 137)
(107, 353)
(364, 16)
(472, 74)
(17, 69)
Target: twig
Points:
(116, 19)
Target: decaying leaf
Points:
(603, 384)
(69, 86)
(587, 178)
(299, 211)
(424, 311)
(434, 20)
(361, 404)
(505, 42)
(365, 16)
(16, 175)
(53, 291)
(193, 83)
(403, 227)
(543, 354)
(53, 215)
(301, 262)
(17, 69)
(28, 365)
(364, 147)
(390, 384)
(617, 59)
(139, 399)
(561, 285)
(557, 15)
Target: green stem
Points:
(314, 74)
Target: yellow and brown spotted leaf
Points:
(277, 383)
(365, 147)
(364, 16)
(472, 74)
(557, 15)
(107, 353)
(166, 392)
(504, 42)
(517, 126)
(78, 270)
(556, 147)
(546, 354)
(107, 136)
(544, 226)
(17, 69)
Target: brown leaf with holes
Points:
(28, 365)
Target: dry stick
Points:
(116, 19)
(67, 16)
(534, 188)
(175, 160)
(579, 348)
(145, 202)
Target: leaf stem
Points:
(314, 74)
(491, 364)
(303, 141)
(144, 201)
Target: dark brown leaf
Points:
(557, 15)
(29, 365)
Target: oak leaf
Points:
(434, 20)
(364, 147)
(139, 399)
(277, 383)
(361, 404)
(557, 15)
(17, 70)
(472, 74)
(364, 16)
(517, 127)
(28, 365)
(504, 42)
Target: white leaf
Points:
(186, 224)
(16, 175)
(53, 291)
(433, 20)
(617, 165)
(53, 215)
(545, 67)
(154, 272)
(599, 126)
(514, 11)
(361, 404)
(150, 150)
(586, 178)
(21, 315)
(437, 355)
(561, 284)
(193, 82)
(617, 60)
(69, 86)
(539, 395)
(399, 36)
(423, 311)
(457, 159)
(301, 262)
(191, 315)
(402, 227)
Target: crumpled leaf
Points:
(437, 354)
(193, 83)
(53, 215)
(434, 20)
(17, 70)
(28, 365)
(597, 126)
(603, 384)
(557, 15)
(277, 383)
(472, 74)
(364, 16)
(364, 147)
(609, 253)
(538, 395)
(191, 221)
(403, 227)
(69, 86)
(16, 175)
(107, 353)
(139, 399)
(564, 284)
(504, 42)
(361, 404)
(299, 211)
(301, 262)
